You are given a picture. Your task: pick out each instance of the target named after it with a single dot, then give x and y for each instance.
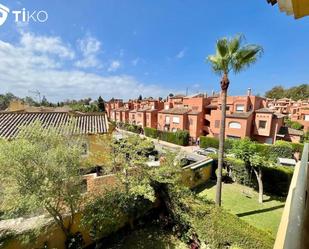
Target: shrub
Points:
(178, 137)
(238, 169)
(277, 179)
(280, 149)
(206, 142)
(151, 132)
(297, 147)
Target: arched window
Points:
(235, 125)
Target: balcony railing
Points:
(293, 232)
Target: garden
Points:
(43, 176)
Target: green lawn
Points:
(243, 202)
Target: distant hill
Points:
(295, 92)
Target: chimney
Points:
(249, 92)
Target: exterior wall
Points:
(125, 116)
(140, 118)
(195, 123)
(172, 126)
(152, 119)
(260, 117)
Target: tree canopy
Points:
(295, 92)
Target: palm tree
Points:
(230, 55)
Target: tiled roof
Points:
(176, 110)
(239, 115)
(289, 131)
(264, 110)
(94, 123)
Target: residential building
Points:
(246, 116)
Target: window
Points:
(167, 120)
(217, 123)
(174, 130)
(166, 107)
(176, 120)
(262, 124)
(306, 118)
(227, 108)
(235, 125)
(233, 137)
(240, 108)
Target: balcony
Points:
(293, 232)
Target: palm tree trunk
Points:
(224, 87)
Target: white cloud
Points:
(24, 67)
(46, 45)
(89, 47)
(114, 66)
(181, 54)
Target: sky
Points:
(121, 49)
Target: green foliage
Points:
(280, 149)
(220, 229)
(41, 171)
(130, 127)
(238, 170)
(206, 142)
(277, 179)
(244, 149)
(213, 142)
(293, 124)
(151, 132)
(295, 93)
(178, 137)
(101, 104)
(104, 215)
(231, 55)
(5, 100)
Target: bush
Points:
(151, 132)
(238, 169)
(280, 149)
(130, 127)
(297, 147)
(277, 179)
(178, 137)
(206, 142)
(220, 229)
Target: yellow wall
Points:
(193, 178)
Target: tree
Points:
(277, 92)
(41, 171)
(230, 56)
(44, 101)
(257, 162)
(101, 104)
(140, 97)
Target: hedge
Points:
(130, 127)
(206, 142)
(178, 137)
(276, 180)
(280, 149)
(213, 142)
(151, 132)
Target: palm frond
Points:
(222, 47)
(216, 63)
(235, 43)
(245, 57)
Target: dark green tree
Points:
(101, 104)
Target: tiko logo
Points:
(23, 15)
(4, 11)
